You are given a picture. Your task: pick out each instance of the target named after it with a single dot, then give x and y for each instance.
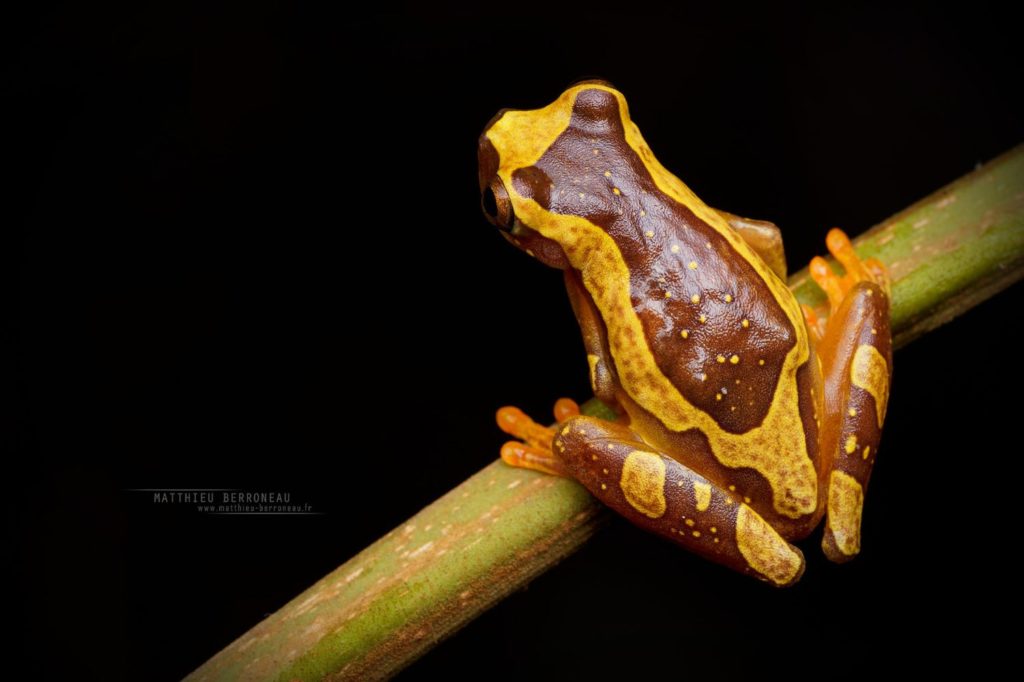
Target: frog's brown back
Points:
(715, 328)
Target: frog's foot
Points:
(535, 450)
(855, 350)
(837, 287)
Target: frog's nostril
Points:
(497, 206)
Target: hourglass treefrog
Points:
(743, 420)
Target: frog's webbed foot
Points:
(533, 450)
(837, 287)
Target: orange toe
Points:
(515, 422)
(857, 270)
(565, 408)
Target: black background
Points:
(249, 254)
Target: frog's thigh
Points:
(856, 354)
(659, 494)
(763, 237)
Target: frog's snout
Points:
(497, 205)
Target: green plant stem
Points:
(502, 527)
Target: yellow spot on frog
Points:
(728, 298)
(695, 298)
(734, 359)
(732, 488)
(870, 371)
(604, 486)
(747, 500)
(604, 470)
(703, 377)
(615, 191)
(702, 493)
(845, 504)
(692, 265)
(745, 323)
(851, 444)
(675, 248)
(713, 529)
(703, 318)
(582, 195)
(764, 549)
(720, 358)
(853, 412)
(530, 253)
(685, 333)
(593, 457)
(649, 233)
(707, 244)
(867, 452)
(643, 483)
(690, 523)
(668, 294)
(607, 174)
(696, 533)
(760, 362)
(718, 396)
(592, 360)
(643, 213)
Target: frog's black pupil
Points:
(490, 204)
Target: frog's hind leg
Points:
(856, 356)
(535, 450)
(763, 237)
(661, 495)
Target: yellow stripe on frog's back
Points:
(776, 448)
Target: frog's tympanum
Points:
(743, 419)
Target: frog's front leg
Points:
(533, 449)
(657, 493)
(603, 379)
(856, 357)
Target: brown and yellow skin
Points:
(742, 423)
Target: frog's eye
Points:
(497, 206)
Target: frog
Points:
(742, 419)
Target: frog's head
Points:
(543, 168)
